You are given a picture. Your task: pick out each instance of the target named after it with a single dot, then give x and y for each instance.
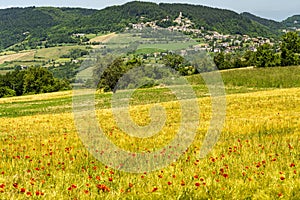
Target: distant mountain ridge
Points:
(51, 25)
(292, 22)
(272, 24)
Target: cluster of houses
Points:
(210, 41)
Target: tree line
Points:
(34, 80)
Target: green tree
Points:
(250, 58)
(40, 80)
(178, 63)
(115, 71)
(6, 92)
(265, 56)
(290, 47)
(174, 61)
(219, 60)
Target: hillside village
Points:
(210, 41)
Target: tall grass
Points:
(256, 156)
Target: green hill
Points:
(293, 21)
(271, 24)
(49, 26)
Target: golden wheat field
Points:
(256, 157)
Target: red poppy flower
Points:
(182, 183)
(292, 165)
(225, 175)
(103, 187)
(86, 191)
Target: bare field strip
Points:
(17, 56)
(104, 38)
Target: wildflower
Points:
(86, 191)
(37, 193)
(225, 175)
(103, 187)
(169, 183)
(292, 165)
(154, 189)
(182, 183)
(197, 184)
(222, 170)
(15, 185)
(22, 190)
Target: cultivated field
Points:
(18, 56)
(256, 156)
(103, 38)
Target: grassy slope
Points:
(236, 81)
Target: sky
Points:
(271, 9)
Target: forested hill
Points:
(56, 25)
(293, 21)
(39, 24)
(271, 24)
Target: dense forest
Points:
(49, 26)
